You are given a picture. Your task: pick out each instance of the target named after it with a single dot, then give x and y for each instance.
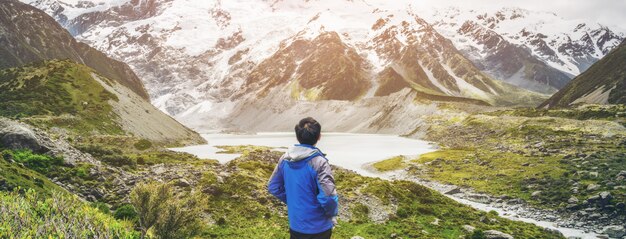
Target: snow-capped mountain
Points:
(200, 58)
(536, 50)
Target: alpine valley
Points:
(525, 112)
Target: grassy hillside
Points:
(559, 159)
(29, 35)
(64, 95)
(58, 93)
(608, 73)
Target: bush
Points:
(37, 162)
(168, 215)
(58, 216)
(103, 207)
(143, 144)
(126, 212)
(119, 160)
(478, 234)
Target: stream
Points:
(355, 151)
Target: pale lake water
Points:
(350, 151)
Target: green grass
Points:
(240, 207)
(520, 151)
(58, 94)
(13, 175)
(61, 215)
(493, 172)
(390, 164)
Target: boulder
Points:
(469, 228)
(593, 187)
(183, 183)
(535, 194)
(453, 191)
(615, 231)
(605, 198)
(572, 200)
(15, 136)
(493, 234)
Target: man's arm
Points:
(276, 184)
(327, 195)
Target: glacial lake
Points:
(347, 150)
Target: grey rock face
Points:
(615, 231)
(15, 136)
(493, 234)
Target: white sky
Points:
(606, 12)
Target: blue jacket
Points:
(304, 181)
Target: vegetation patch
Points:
(58, 94)
(61, 215)
(390, 164)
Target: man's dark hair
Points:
(308, 131)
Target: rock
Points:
(553, 231)
(593, 187)
(493, 234)
(572, 200)
(469, 228)
(516, 201)
(535, 194)
(615, 231)
(605, 198)
(435, 222)
(480, 198)
(453, 191)
(357, 237)
(183, 183)
(15, 136)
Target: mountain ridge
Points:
(603, 83)
(28, 37)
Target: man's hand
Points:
(335, 221)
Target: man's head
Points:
(308, 131)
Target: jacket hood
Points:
(299, 152)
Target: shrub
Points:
(478, 234)
(167, 214)
(58, 216)
(103, 207)
(143, 144)
(126, 212)
(37, 162)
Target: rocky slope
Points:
(28, 35)
(603, 83)
(535, 50)
(568, 162)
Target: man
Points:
(304, 181)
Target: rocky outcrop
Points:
(493, 234)
(15, 136)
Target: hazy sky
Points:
(608, 12)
